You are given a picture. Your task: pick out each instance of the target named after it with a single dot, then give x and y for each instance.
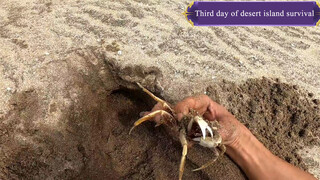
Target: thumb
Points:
(211, 114)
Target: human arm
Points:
(242, 146)
(258, 162)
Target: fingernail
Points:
(180, 116)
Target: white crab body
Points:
(209, 142)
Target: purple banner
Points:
(275, 13)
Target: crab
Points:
(191, 129)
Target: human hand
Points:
(250, 154)
(231, 129)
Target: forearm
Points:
(258, 162)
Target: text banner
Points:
(288, 13)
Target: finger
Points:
(211, 112)
(183, 107)
(217, 111)
(202, 103)
(207, 115)
(156, 118)
(156, 107)
(144, 113)
(198, 103)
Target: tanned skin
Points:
(242, 146)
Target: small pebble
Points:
(46, 53)
(316, 101)
(119, 53)
(9, 89)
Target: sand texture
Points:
(68, 95)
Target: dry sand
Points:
(67, 93)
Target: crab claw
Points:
(203, 126)
(209, 142)
(203, 142)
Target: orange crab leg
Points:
(148, 117)
(213, 160)
(164, 104)
(184, 143)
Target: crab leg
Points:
(210, 162)
(222, 148)
(149, 116)
(184, 144)
(164, 104)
